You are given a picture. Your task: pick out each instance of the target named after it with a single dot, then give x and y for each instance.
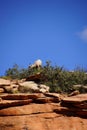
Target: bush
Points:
(58, 78)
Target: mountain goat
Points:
(37, 64)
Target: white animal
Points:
(37, 64)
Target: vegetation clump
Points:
(56, 77)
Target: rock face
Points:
(39, 110)
(75, 105)
(48, 111)
(38, 117)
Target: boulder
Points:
(31, 86)
(43, 88)
(36, 78)
(11, 88)
(79, 86)
(7, 89)
(4, 82)
(76, 92)
(28, 86)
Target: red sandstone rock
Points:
(39, 117)
(20, 96)
(6, 104)
(28, 114)
(46, 100)
(55, 95)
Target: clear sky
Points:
(54, 30)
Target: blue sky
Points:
(54, 30)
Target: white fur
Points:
(37, 63)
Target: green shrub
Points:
(58, 78)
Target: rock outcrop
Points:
(38, 111)
(75, 106)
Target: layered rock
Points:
(75, 105)
(9, 100)
(40, 112)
